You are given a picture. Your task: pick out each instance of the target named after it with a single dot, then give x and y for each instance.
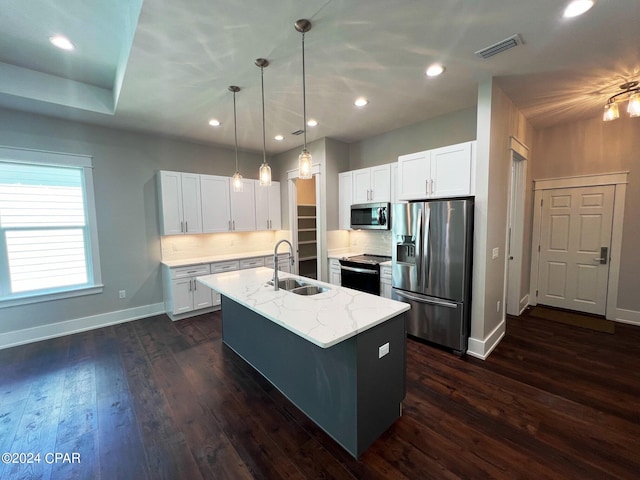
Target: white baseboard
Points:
(68, 327)
(627, 316)
(482, 348)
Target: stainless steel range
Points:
(362, 272)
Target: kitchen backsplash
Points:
(180, 247)
(373, 242)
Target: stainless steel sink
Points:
(309, 290)
(299, 287)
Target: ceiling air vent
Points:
(297, 132)
(506, 44)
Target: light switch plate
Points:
(383, 350)
(495, 253)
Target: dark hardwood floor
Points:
(161, 400)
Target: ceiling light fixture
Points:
(434, 70)
(304, 160)
(632, 90)
(312, 123)
(62, 42)
(361, 102)
(214, 123)
(265, 170)
(279, 138)
(577, 7)
(236, 180)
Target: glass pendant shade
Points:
(236, 181)
(633, 109)
(610, 112)
(304, 165)
(265, 174)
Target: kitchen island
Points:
(338, 355)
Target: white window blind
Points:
(44, 229)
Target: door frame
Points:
(514, 304)
(619, 181)
(292, 175)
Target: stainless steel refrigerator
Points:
(432, 251)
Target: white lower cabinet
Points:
(284, 262)
(385, 281)
(335, 277)
(221, 267)
(251, 263)
(183, 293)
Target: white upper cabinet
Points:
(216, 204)
(371, 184)
(442, 172)
(243, 207)
(224, 210)
(180, 203)
(344, 196)
(451, 169)
(268, 216)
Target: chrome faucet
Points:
(275, 262)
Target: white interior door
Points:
(575, 240)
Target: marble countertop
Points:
(324, 319)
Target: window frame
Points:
(92, 252)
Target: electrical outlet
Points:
(383, 350)
(498, 306)
(122, 294)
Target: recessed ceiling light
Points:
(62, 42)
(434, 70)
(577, 7)
(312, 123)
(214, 123)
(360, 102)
(279, 138)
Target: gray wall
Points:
(126, 202)
(591, 147)
(456, 127)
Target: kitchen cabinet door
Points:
(180, 209)
(202, 296)
(361, 185)
(243, 208)
(345, 200)
(268, 216)
(414, 175)
(451, 169)
(216, 206)
(380, 183)
(182, 295)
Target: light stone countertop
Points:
(324, 319)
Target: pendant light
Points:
(265, 170)
(236, 180)
(304, 160)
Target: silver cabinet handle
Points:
(229, 225)
(234, 225)
(181, 227)
(426, 187)
(186, 226)
(432, 186)
(190, 285)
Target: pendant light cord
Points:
(304, 97)
(264, 142)
(235, 128)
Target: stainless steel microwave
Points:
(370, 216)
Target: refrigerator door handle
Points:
(418, 243)
(441, 303)
(426, 255)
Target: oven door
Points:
(360, 278)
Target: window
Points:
(48, 240)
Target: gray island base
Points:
(353, 390)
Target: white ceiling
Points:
(165, 66)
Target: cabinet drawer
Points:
(193, 270)
(251, 263)
(220, 267)
(282, 259)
